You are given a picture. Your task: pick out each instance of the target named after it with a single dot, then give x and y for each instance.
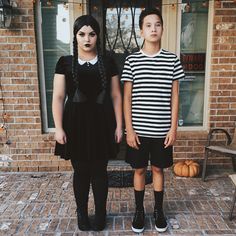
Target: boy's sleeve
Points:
(127, 72)
(178, 70)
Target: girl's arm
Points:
(117, 104)
(171, 136)
(131, 137)
(58, 99)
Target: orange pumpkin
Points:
(187, 168)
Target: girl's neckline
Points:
(92, 61)
(153, 55)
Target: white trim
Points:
(208, 66)
(178, 31)
(92, 61)
(170, 16)
(206, 111)
(40, 58)
(44, 115)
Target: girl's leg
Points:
(81, 184)
(158, 185)
(100, 190)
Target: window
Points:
(193, 49)
(53, 41)
(120, 26)
(119, 23)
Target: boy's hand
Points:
(132, 139)
(170, 138)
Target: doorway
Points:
(120, 31)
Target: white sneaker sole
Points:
(137, 230)
(161, 230)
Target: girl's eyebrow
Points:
(88, 32)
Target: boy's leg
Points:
(158, 185)
(161, 157)
(138, 159)
(139, 187)
(139, 190)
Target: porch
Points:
(43, 204)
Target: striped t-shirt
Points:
(152, 78)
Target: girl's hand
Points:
(170, 138)
(132, 139)
(60, 136)
(118, 135)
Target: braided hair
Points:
(81, 21)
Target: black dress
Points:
(89, 125)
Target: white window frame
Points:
(76, 8)
(172, 29)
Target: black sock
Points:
(158, 195)
(139, 196)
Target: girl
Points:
(89, 125)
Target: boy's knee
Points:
(157, 170)
(141, 171)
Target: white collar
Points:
(93, 61)
(153, 55)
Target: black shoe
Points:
(99, 222)
(160, 221)
(83, 220)
(138, 221)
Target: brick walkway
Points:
(43, 204)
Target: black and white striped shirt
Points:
(152, 78)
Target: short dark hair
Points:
(149, 11)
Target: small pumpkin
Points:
(187, 168)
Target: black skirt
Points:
(90, 131)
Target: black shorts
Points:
(150, 149)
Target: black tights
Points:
(96, 173)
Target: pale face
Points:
(86, 39)
(152, 29)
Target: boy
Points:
(150, 79)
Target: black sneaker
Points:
(160, 221)
(138, 221)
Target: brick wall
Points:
(222, 89)
(223, 76)
(31, 150)
(222, 95)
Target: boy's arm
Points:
(131, 137)
(174, 105)
(127, 105)
(171, 136)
